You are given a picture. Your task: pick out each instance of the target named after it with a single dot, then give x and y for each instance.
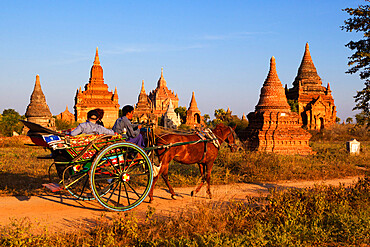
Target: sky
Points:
(218, 49)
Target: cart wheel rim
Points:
(118, 169)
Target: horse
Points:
(203, 153)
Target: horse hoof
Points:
(174, 197)
(192, 193)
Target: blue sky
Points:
(218, 49)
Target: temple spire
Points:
(193, 103)
(142, 91)
(161, 82)
(96, 61)
(307, 73)
(38, 106)
(272, 97)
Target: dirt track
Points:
(64, 213)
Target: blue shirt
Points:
(124, 123)
(91, 128)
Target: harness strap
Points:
(204, 153)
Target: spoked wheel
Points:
(76, 180)
(121, 176)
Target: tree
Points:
(181, 110)
(293, 105)
(349, 120)
(9, 122)
(360, 59)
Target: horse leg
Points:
(155, 179)
(208, 178)
(201, 169)
(165, 178)
(152, 188)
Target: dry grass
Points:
(322, 216)
(21, 173)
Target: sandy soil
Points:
(64, 213)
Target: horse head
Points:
(227, 134)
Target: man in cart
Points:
(123, 125)
(90, 126)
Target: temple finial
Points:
(96, 61)
(37, 79)
(142, 91)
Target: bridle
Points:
(231, 145)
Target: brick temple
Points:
(193, 117)
(66, 116)
(315, 102)
(38, 110)
(273, 127)
(96, 95)
(160, 97)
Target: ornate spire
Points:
(328, 90)
(96, 74)
(161, 82)
(243, 117)
(142, 91)
(38, 106)
(170, 107)
(193, 104)
(96, 61)
(307, 73)
(272, 97)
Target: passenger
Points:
(90, 126)
(100, 116)
(124, 125)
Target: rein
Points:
(231, 145)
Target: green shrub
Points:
(9, 122)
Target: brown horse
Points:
(203, 153)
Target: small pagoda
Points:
(96, 95)
(193, 117)
(315, 102)
(273, 127)
(170, 118)
(143, 112)
(66, 116)
(38, 111)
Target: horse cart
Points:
(118, 174)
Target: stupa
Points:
(161, 96)
(170, 118)
(315, 102)
(38, 111)
(193, 117)
(272, 126)
(143, 112)
(96, 95)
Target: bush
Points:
(64, 125)
(342, 132)
(9, 122)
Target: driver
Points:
(123, 125)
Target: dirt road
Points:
(64, 213)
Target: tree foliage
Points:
(293, 105)
(360, 59)
(9, 122)
(181, 110)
